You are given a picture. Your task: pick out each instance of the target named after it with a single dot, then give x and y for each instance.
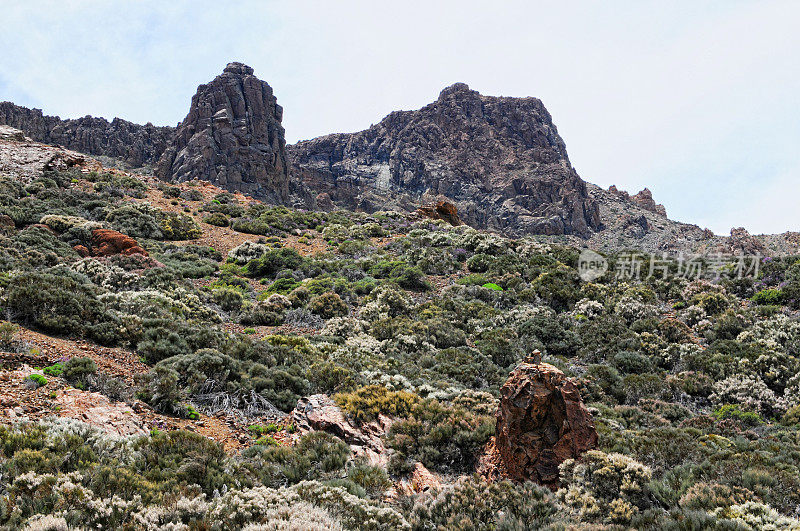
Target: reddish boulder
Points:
(107, 242)
(541, 422)
(82, 250)
(441, 210)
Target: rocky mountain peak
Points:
(231, 137)
(237, 68)
(455, 90)
(499, 160)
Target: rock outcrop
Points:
(97, 410)
(499, 160)
(135, 144)
(440, 210)
(541, 422)
(25, 159)
(320, 413)
(231, 137)
(644, 199)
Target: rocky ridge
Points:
(135, 144)
(500, 160)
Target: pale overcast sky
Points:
(697, 100)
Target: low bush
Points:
(368, 402)
(328, 305)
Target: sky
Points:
(697, 100)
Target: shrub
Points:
(605, 487)
(229, 299)
(35, 381)
(368, 402)
(732, 411)
(218, 219)
(56, 303)
(479, 263)
(474, 503)
(768, 296)
(632, 362)
(54, 370)
(135, 222)
(176, 226)
(77, 369)
(473, 280)
(316, 455)
(443, 438)
(159, 388)
(159, 343)
(7, 333)
(328, 305)
(272, 261)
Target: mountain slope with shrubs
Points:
(231, 311)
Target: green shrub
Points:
(479, 263)
(328, 305)
(58, 304)
(7, 333)
(473, 280)
(78, 369)
(475, 503)
(135, 222)
(218, 219)
(443, 438)
(317, 455)
(272, 261)
(732, 411)
(632, 362)
(770, 296)
(229, 299)
(176, 226)
(54, 370)
(35, 380)
(368, 402)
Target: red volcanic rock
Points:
(541, 422)
(441, 210)
(107, 242)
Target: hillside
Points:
(177, 356)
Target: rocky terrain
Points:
(177, 356)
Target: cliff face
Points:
(231, 137)
(135, 144)
(499, 160)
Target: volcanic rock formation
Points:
(541, 422)
(499, 160)
(440, 210)
(133, 143)
(231, 137)
(644, 199)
